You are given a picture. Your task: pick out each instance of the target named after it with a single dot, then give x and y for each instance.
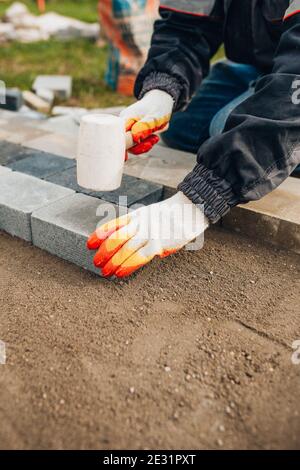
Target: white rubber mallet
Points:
(101, 151)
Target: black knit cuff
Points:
(201, 186)
(161, 81)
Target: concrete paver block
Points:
(42, 164)
(36, 102)
(20, 195)
(61, 85)
(4, 170)
(46, 95)
(274, 219)
(62, 125)
(162, 166)
(136, 190)
(62, 228)
(10, 152)
(17, 132)
(13, 99)
(68, 179)
(60, 144)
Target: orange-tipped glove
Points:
(126, 244)
(147, 116)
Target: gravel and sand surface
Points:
(193, 352)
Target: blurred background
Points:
(84, 59)
(63, 37)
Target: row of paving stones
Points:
(274, 219)
(41, 202)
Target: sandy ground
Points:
(194, 352)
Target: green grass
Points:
(83, 60)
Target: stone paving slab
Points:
(21, 128)
(10, 152)
(65, 125)
(62, 145)
(62, 228)
(13, 99)
(68, 179)
(162, 166)
(135, 190)
(42, 164)
(274, 219)
(20, 195)
(4, 170)
(61, 85)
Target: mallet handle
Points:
(129, 139)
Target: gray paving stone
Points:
(65, 125)
(62, 228)
(162, 166)
(274, 219)
(137, 191)
(68, 179)
(42, 164)
(13, 99)
(4, 170)
(61, 85)
(58, 144)
(10, 152)
(20, 195)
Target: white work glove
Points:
(147, 116)
(129, 242)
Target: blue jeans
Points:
(227, 85)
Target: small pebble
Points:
(132, 390)
(168, 369)
(220, 442)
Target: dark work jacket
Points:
(260, 145)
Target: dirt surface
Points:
(193, 352)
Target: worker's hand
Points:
(145, 117)
(131, 241)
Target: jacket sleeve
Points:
(260, 144)
(184, 40)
